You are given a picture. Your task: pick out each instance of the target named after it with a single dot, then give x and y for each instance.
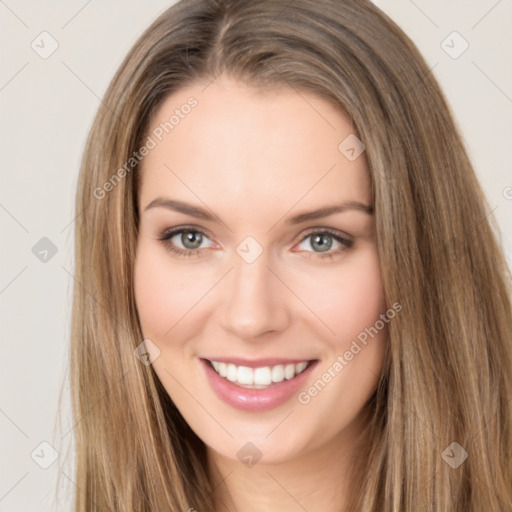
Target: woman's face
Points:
(257, 257)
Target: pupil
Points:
(191, 239)
(321, 243)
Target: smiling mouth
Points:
(261, 377)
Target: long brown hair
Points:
(447, 376)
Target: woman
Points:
(291, 296)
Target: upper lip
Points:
(257, 363)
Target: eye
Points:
(190, 241)
(184, 241)
(325, 243)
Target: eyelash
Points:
(170, 233)
(166, 235)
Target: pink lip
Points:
(255, 400)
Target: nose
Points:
(255, 300)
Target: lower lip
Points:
(255, 400)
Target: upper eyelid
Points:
(330, 231)
(170, 232)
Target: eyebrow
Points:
(200, 213)
(181, 207)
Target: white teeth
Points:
(258, 378)
(245, 375)
(278, 373)
(223, 369)
(262, 376)
(301, 367)
(232, 373)
(289, 371)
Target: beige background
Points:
(47, 106)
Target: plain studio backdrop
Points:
(57, 60)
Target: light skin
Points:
(254, 160)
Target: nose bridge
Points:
(253, 303)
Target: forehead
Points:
(230, 144)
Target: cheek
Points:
(348, 299)
(351, 304)
(163, 292)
